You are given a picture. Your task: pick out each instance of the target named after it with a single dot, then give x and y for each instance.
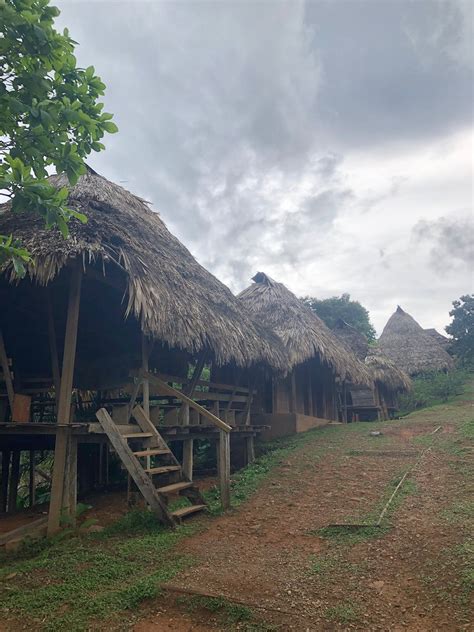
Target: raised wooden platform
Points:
(282, 424)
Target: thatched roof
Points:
(385, 372)
(303, 334)
(444, 341)
(174, 298)
(405, 342)
(352, 338)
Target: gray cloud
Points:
(244, 122)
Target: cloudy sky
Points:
(326, 143)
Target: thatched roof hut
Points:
(383, 371)
(406, 343)
(172, 296)
(303, 334)
(352, 338)
(444, 341)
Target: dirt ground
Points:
(269, 556)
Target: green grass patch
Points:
(345, 612)
(68, 583)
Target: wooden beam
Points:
(31, 481)
(293, 392)
(183, 417)
(64, 405)
(169, 390)
(5, 475)
(224, 468)
(14, 478)
(53, 349)
(6, 372)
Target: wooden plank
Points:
(134, 468)
(185, 511)
(70, 486)
(5, 475)
(224, 468)
(64, 403)
(31, 529)
(14, 479)
(6, 371)
(164, 469)
(169, 390)
(250, 450)
(173, 488)
(21, 408)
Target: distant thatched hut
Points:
(379, 401)
(444, 341)
(317, 361)
(120, 294)
(413, 350)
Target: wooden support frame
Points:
(5, 475)
(183, 417)
(6, 372)
(64, 405)
(31, 479)
(53, 348)
(224, 468)
(14, 479)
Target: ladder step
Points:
(153, 452)
(185, 511)
(163, 470)
(137, 435)
(174, 487)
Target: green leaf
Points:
(110, 127)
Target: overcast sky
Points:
(328, 144)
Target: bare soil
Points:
(269, 556)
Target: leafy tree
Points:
(352, 312)
(50, 117)
(462, 329)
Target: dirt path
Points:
(270, 557)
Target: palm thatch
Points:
(351, 338)
(385, 373)
(303, 334)
(174, 298)
(406, 343)
(444, 341)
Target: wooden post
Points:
(64, 405)
(70, 486)
(6, 372)
(5, 475)
(14, 478)
(53, 349)
(344, 402)
(32, 487)
(293, 392)
(224, 468)
(183, 416)
(250, 450)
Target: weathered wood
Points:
(6, 371)
(250, 450)
(31, 480)
(5, 475)
(21, 408)
(293, 402)
(224, 468)
(64, 403)
(134, 468)
(32, 529)
(53, 349)
(169, 390)
(70, 486)
(14, 479)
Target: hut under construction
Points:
(103, 347)
(381, 400)
(411, 348)
(318, 365)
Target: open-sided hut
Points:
(408, 345)
(318, 364)
(118, 314)
(380, 400)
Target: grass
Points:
(345, 612)
(231, 615)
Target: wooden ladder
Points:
(136, 449)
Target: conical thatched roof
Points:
(303, 334)
(406, 343)
(353, 339)
(444, 341)
(385, 372)
(175, 299)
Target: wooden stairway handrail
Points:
(169, 390)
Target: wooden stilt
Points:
(53, 349)
(344, 402)
(183, 417)
(32, 485)
(293, 405)
(5, 476)
(310, 391)
(6, 372)
(14, 478)
(70, 488)
(224, 468)
(250, 450)
(64, 405)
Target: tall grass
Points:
(434, 388)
